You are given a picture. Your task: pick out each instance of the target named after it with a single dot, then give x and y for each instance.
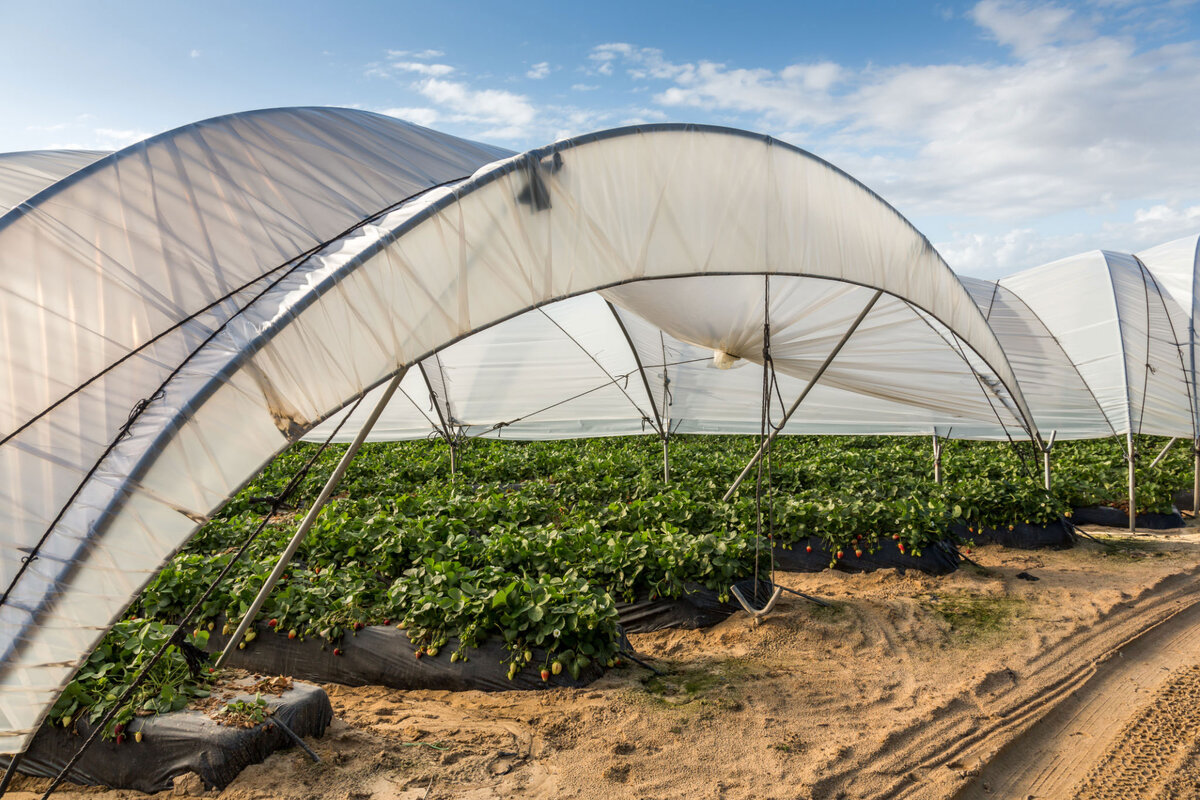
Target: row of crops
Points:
(534, 543)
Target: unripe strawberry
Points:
(556, 667)
(137, 736)
(545, 674)
(292, 633)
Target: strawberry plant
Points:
(170, 685)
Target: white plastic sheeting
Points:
(638, 358)
(108, 281)
(1122, 334)
(22, 175)
(1176, 269)
(204, 298)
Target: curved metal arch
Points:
(530, 163)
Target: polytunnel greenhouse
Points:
(179, 312)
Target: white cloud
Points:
(992, 255)
(1026, 28)
(432, 70)
(538, 71)
(194, 54)
(1072, 119)
(584, 87)
(419, 54)
(505, 115)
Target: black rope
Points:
(764, 439)
(1148, 369)
(176, 638)
(613, 380)
(594, 360)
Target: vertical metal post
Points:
(937, 458)
(311, 517)
(808, 387)
(1132, 456)
(666, 462)
(453, 460)
(1196, 478)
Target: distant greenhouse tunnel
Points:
(633, 212)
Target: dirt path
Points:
(1121, 734)
(906, 687)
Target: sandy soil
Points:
(908, 686)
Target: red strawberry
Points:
(316, 570)
(120, 738)
(419, 654)
(839, 553)
(387, 622)
(858, 553)
(545, 674)
(967, 551)
(896, 536)
(337, 651)
(272, 623)
(808, 549)
(358, 626)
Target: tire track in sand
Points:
(1152, 748)
(1061, 750)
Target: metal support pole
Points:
(937, 458)
(1196, 478)
(1046, 448)
(666, 462)
(453, 460)
(10, 772)
(311, 517)
(1132, 481)
(1162, 453)
(807, 388)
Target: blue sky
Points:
(1011, 133)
